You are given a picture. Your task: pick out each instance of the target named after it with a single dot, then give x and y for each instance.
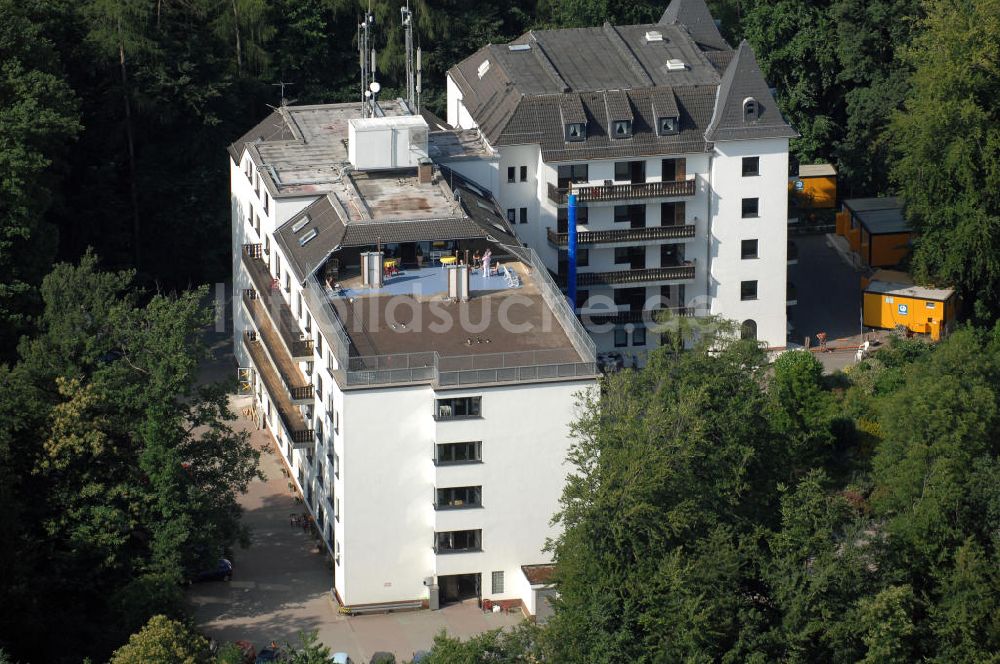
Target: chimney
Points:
(425, 171)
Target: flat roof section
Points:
(409, 319)
(875, 203)
(399, 195)
(884, 222)
(909, 290)
(457, 144)
(816, 170)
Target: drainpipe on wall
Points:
(708, 275)
(571, 249)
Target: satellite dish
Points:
(368, 93)
(375, 86)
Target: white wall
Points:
(770, 229)
(389, 480)
(458, 115)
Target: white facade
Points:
(715, 249)
(368, 469)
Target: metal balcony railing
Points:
(634, 316)
(622, 192)
(651, 233)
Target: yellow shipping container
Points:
(815, 186)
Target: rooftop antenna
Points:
(407, 21)
(417, 87)
(367, 66)
(282, 84)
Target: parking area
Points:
(828, 292)
(281, 585)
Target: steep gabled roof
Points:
(694, 15)
(743, 80)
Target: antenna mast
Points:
(364, 52)
(407, 21)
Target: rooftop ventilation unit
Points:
(310, 234)
(300, 224)
(483, 68)
(519, 47)
(371, 269)
(395, 142)
(654, 36)
(676, 65)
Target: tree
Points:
(503, 647)
(802, 410)
(133, 469)
(947, 143)
(39, 118)
(163, 641)
(671, 466)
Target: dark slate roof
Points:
(878, 203)
(884, 222)
(743, 80)
(695, 16)
(271, 128)
(545, 79)
(482, 219)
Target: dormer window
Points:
(751, 110)
(668, 126)
(622, 128)
(576, 131)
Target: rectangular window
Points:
(582, 295)
(748, 290)
(336, 552)
(751, 166)
(511, 216)
(510, 174)
(635, 257)
(458, 540)
(751, 207)
(319, 387)
(632, 299)
(319, 344)
(562, 218)
(671, 255)
(748, 249)
(458, 497)
(630, 171)
(266, 199)
(621, 337)
(451, 409)
(673, 214)
(575, 173)
(674, 170)
(639, 335)
(497, 583)
(336, 509)
(930, 305)
(524, 174)
(455, 453)
(524, 215)
(634, 215)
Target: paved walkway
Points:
(281, 585)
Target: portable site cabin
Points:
(891, 299)
(815, 186)
(876, 229)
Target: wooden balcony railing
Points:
(651, 233)
(275, 305)
(672, 273)
(640, 316)
(296, 426)
(623, 192)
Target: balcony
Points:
(653, 275)
(634, 316)
(649, 234)
(277, 309)
(599, 193)
(298, 430)
(296, 384)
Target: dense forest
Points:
(874, 537)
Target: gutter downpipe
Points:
(571, 249)
(708, 269)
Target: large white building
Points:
(424, 416)
(677, 152)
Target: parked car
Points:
(383, 658)
(341, 658)
(223, 571)
(268, 655)
(419, 656)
